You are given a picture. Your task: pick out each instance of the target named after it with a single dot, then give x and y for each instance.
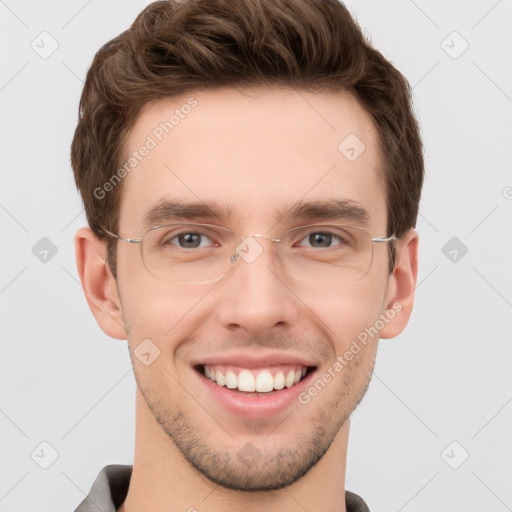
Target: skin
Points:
(252, 150)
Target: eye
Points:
(187, 240)
(320, 239)
(326, 238)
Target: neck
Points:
(164, 481)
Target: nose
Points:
(256, 295)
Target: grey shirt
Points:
(110, 488)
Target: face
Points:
(255, 153)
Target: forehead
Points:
(251, 152)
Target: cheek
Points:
(158, 311)
(150, 307)
(158, 322)
(348, 314)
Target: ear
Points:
(401, 285)
(99, 285)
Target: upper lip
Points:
(246, 360)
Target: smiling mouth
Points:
(251, 381)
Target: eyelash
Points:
(334, 236)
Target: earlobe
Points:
(401, 286)
(98, 283)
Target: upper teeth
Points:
(261, 380)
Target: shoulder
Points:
(355, 503)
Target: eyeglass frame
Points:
(234, 256)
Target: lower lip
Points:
(248, 405)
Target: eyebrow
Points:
(321, 210)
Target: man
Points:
(251, 172)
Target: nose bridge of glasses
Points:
(250, 248)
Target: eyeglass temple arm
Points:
(385, 239)
(131, 240)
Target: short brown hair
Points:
(175, 46)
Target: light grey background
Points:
(446, 379)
